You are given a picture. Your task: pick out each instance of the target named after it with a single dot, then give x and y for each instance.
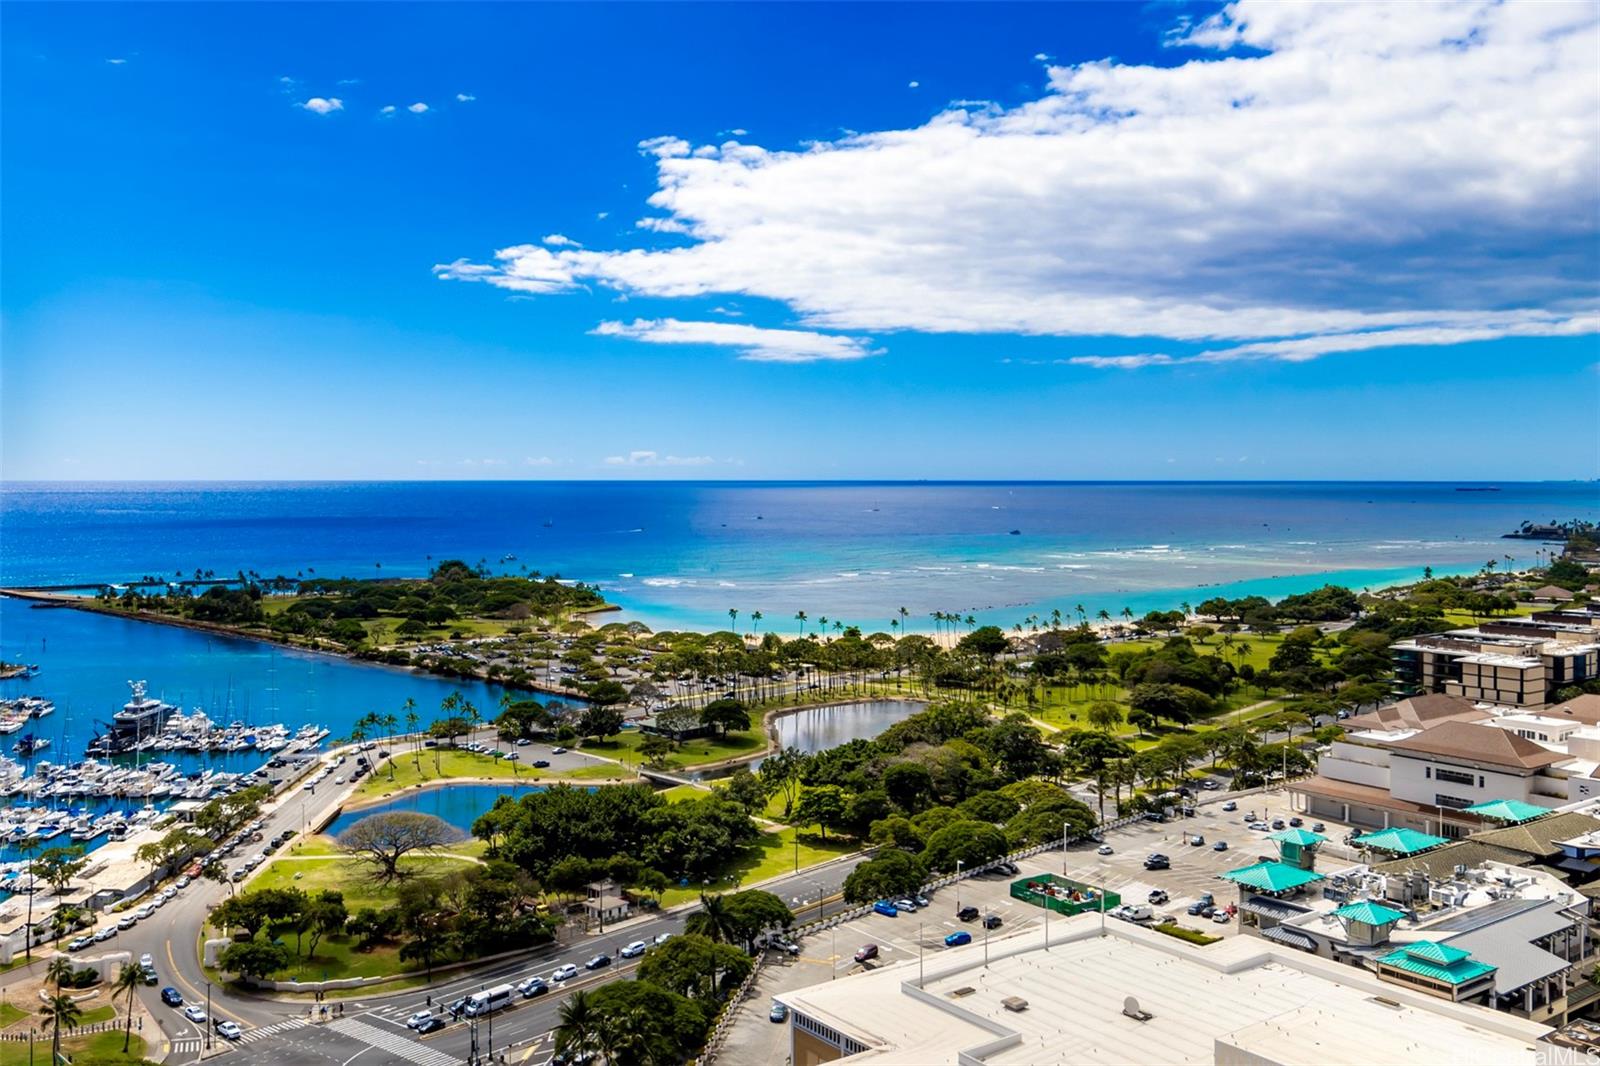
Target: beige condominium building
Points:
(1513, 662)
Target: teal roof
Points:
(1512, 811)
(1369, 912)
(1272, 876)
(1303, 837)
(1441, 962)
(1400, 841)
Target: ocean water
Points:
(682, 554)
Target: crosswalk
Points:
(401, 1047)
(269, 1030)
(191, 1046)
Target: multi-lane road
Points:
(369, 1029)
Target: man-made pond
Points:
(820, 728)
(459, 805)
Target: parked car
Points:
(229, 1030)
(885, 908)
(778, 1013)
(79, 943)
(418, 1018)
(1277, 823)
(957, 938)
(522, 742)
(1230, 806)
(992, 921)
(1158, 862)
(195, 1014)
(967, 914)
(558, 751)
(1260, 827)
(1221, 845)
(1158, 896)
(432, 1025)
(542, 764)
(128, 923)
(600, 961)
(149, 976)
(564, 973)
(922, 901)
(867, 952)
(633, 950)
(1318, 827)
(1103, 849)
(105, 934)
(905, 905)
(171, 997)
(1220, 916)
(1297, 822)
(533, 986)
(1197, 841)
(663, 938)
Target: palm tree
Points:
(59, 969)
(904, 614)
(1104, 615)
(128, 980)
(712, 920)
(800, 616)
(59, 1010)
(733, 620)
(577, 1025)
(412, 721)
(755, 621)
(390, 724)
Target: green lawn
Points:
(771, 855)
(683, 792)
(442, 764)
(337, 956)
(10, 1014)
(98, 1014)
(690, 753)
(101, 1049)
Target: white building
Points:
(1135, 995)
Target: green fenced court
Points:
(1063, 895)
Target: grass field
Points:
(98, 1014)
(101, 1049)
(336, 956)
(452, 764)
(690, 753)
(773, 854)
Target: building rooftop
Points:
(1418, 712)
(1369, 912)
(1507, 810)
(1399, 840)
(1271, 876)
(1441, 962)
(1477, 744)
(1243, 999)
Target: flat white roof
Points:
(1273, 1004)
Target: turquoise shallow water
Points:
(683, 554)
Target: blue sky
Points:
(774, 241)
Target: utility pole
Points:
(208, 1016)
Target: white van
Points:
(490, 1000)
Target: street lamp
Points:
(958, 886)
(208, 1015)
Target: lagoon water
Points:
(815, 729)
(459, 805)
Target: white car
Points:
(663, 938)
(145, 911)
(565, 973)
(128, 923)
(229, 1030)
(418, 1018)
(195, 1013)
(633, 950)
(80, 943)
(146, 961)
(1103, 849)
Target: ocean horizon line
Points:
(125, 483)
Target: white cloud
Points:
(561, 240)
(387, 110)
(323, 106)
(349, 81)
(526, 268)
(116, 62)
(417, 108)
(913, 85)
(650, 458)
(465, 98)
(538, 460)
(1322, 174)
(1121, 362)
(754, 343)
(602, 215)
(1041, 57)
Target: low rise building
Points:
(1514, 662)
(1131, 994)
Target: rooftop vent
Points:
(1014, 1004)
(964, 990)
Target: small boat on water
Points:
(30, 745)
